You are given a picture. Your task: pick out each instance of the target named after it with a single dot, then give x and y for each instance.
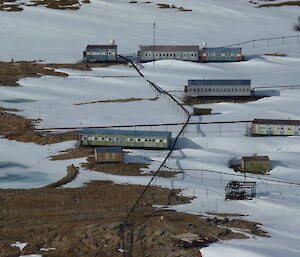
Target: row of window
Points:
(169, 54)
(221, 54)
(263, 127)
(219, 89)
(116, 139)
(100, 53)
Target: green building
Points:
(125, 138)
(255, 164)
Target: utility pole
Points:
(154, 44)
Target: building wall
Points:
(109, 156)
(125, 141)
(161, 55)
(101, 55)
(220, 57)
(218, 90)
(202, 111)
(256, 165)
(275, 130)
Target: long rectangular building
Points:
(161, 52)
(126, 138)
(218, 87)
(272, 127)
(221, 54)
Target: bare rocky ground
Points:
(15, 127)
(123, 169)
(17, 6)
(220, 99)
(11, 72)
(86, 221)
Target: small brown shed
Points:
(255, 164)
(202, 111)
(109, 154)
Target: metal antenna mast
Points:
(154, 45)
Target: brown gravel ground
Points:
(11, 72)
(125, 169)
(207, 100)
(86, 222)
(14, 127)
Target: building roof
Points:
(169, 48)
(256, 158)
(114, 149)
(90, 47)
(276, 122)
(221, 49)
(119, 132)
(219, 82)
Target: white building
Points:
(271, 127)
(159, 52)
(218, 87)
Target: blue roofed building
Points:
(125, 138)
(221, 54)
(218, 87)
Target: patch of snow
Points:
(20, 245)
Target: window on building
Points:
(84, 138)
(209, 89)
(109, 139)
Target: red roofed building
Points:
(100, 53)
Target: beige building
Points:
(256, 164)
(109, 154)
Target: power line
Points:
(238, 175)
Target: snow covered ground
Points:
(60, 36)
(203, 150)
